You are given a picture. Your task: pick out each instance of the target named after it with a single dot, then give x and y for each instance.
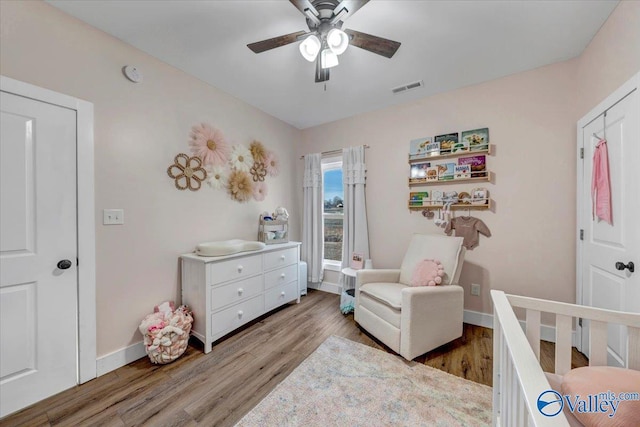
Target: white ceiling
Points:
(447, 44)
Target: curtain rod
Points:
(338, 151)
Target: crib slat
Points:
(633, 336)
(597, 343)
(563, 344)
(533, 330)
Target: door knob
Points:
(621, 266)
(64, 264)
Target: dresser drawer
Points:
(282, 294)
(235, 291)
(280, 258)
(237, 268)
(280, 276)
(233, 317)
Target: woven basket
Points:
(165, 344)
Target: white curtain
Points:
(355, 236)
(312, 223)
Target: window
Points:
(333, 196)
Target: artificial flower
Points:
(272, 164)
(258, 151)
(258, 171)
(241, 159)
(187, 172)
(240, 186)
(217, 177)
(209, 144)
(259, 190)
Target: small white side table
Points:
(347, 301)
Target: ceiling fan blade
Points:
(303, 5)
(263, 45)
(322, 74)
(384, 47)
(350, 7)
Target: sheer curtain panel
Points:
(355, 237)
(312, 221)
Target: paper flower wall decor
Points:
(241, 159)
(240, 186)
(259, 191)
(272, 164)
(187, 172)
(209, 144)
(239, 169)
(258, 151)
(217, 177)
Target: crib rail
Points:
(518, 379)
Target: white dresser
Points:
(226, 292)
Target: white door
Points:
(605, 283)
(38, 295)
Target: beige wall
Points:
(612, 57)
(531, 118)
(138, 131)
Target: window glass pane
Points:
(333, 213)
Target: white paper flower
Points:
(217, 177)
(241, 159)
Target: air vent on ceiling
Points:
(408, 86)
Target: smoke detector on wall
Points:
(133, 73)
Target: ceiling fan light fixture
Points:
(328, 58)
(310, 47)
(337, 40)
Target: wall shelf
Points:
(450, 155)
(423, 181)
(457, 206)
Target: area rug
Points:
(344, 383)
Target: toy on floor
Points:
(166, 332)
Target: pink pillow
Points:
(593, 380)
(428, 272)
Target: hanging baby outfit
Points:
(468, 228)
(600, 184)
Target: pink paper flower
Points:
(259, 190)
(209, 144)
(272, 164)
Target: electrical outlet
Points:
(475, 289)
(112, 216)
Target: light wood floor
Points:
(220, 387)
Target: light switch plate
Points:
(113, 216)
(475, 289)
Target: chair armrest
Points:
(377, 276)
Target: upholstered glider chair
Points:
(413, 320)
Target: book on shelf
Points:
(419, 198)
(478, 165)
(462, 172)
(446, 171)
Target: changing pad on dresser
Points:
(227, 247)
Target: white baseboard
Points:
(112, 361)
(332, 288)
(547, 333)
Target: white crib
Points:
(518, 378)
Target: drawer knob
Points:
(240, 269)
(282, 275)
(282, 258)
(240, 291)
(240, 313)
(282, 293)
